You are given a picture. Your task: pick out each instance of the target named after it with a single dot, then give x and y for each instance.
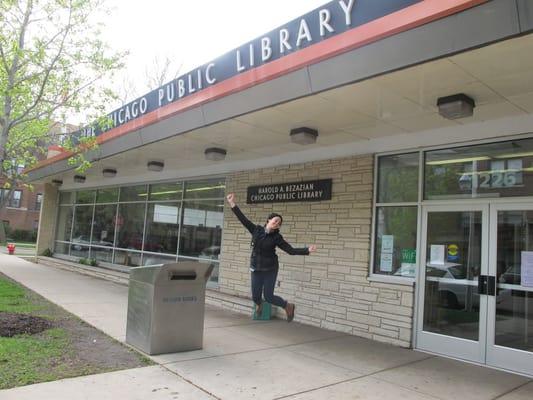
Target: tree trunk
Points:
(5, 198)
(3, 237)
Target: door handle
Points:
(491, 286)
(486, 285)
(482, 284)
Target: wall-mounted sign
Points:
(329, 20)
(292, 191)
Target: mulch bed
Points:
(16, 324)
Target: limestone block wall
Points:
(47, 219)
(331, 288)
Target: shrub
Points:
(22, 235)
(48, 253)
(88, 261)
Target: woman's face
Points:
(273, 223)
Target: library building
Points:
(395, 135)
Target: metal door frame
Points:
(448, 345)
(499, 356)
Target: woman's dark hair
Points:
(274, 215)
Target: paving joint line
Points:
(361, 377)
(512, 390)
(191, 383)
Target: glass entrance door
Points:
(510, 301)
(451, 313)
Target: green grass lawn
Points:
(21, 244)
(55, 353)
(26, 359)
(13, 299)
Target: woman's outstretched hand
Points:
(231, 199)
(312, 248)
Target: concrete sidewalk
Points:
(244, 359)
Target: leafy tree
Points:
(52, 59)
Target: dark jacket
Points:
(264, 245)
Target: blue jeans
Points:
(264, 282)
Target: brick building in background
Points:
(22, 211)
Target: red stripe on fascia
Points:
(408, 18)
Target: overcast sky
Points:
(192, 32)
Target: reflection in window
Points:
(398, 178)
(130, 224)
(102, 254)
(81, 233)
(67, 197)
(492, 170)
(126, 217)
(85, 196)
(61, 248)
(395, 248)
(104, 225)
(453, 257)
(153, 259)
(64, 223)
(514, 303)
(127, 258)
(166, 191)
(162, 223)
(79, 250)
(133, 193)
(208, 189)
(201, 230)
(108, 195)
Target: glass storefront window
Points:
(134, 193)
(141, 224)
(77, 250)
(201, 230)
(85, 196)
(67, 197)
(81, 231)
(104, 254)
(61, 248)
(398, 178)
(64, 223)
(162, 223)
(166, 191)
(395, 244)
(502, 169)
(127, 258)
(130, 225)
(108, 195)
(153, 259)
(104, 225)
(209, 189)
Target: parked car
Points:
(211, 252)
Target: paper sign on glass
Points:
(437, 254)
(386, 262)
(387, 243)
(526, 272)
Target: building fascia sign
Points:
(323, 23)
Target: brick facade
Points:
(330, 287)
(25, 217)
